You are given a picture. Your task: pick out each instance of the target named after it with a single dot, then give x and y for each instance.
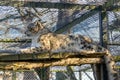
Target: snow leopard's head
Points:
(36, 28)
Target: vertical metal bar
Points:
(13, 75)
(100, 28)
(98, 68)
(107, 30)
(97, 71)
(104, 73)
(80, 75)
(101, 42)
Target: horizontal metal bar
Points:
(37, 4)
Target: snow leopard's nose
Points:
(29, 29)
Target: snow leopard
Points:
(44, 40)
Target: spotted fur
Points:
(51, 42)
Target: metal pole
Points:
(104, 73)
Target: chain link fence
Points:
(52, 73)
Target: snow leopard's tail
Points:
(110, 64)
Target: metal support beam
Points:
(38, 4)
(100, 70)
(103, 69)
(57, 5)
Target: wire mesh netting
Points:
(54, 73)
(14, 21)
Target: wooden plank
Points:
(47, 63)
(114, 43)
(117, 67)
(15, 40)
(117, 58)
(46, 56)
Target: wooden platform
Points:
(30, 61)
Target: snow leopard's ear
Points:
(35, 27)
(39, 25)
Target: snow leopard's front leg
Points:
(32, 50)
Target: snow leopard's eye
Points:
(30, 29)
(30, 26)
